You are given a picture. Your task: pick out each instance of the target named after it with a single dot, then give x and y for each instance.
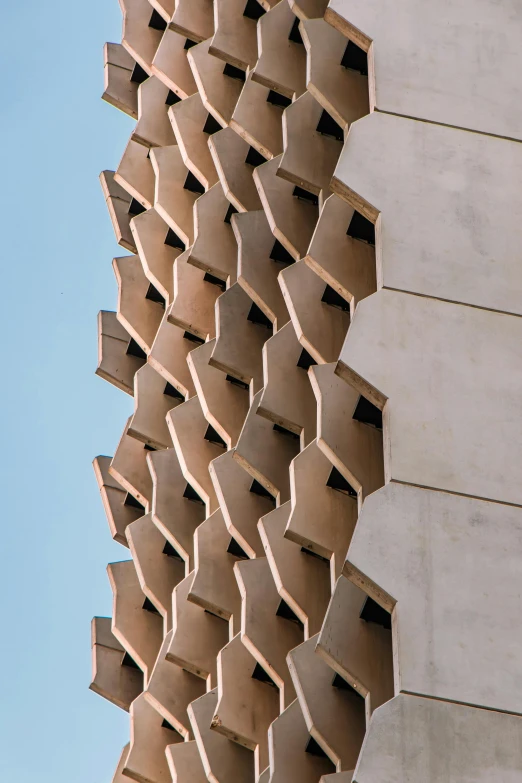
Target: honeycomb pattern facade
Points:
(319, 320)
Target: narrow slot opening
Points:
(253, 10)
(355, 59)
(214, 437)
(135, 208)
(314, 554)
(172, 240)
(305, 361)
(147, 447)
(338, 482)
(361, 228)
(277, 99)
(230, 211)
(191, 494)
(133, 349)
(157, 22)
(285, 611)
(305, 195)
(169, 550)
(367, 413)
(221, 284)
(131, 501)
(334, 299)
(171, 391)
(371, 612)
(189, 44)
(153, 295)
(235, 549)
(172, 98)
(149, 607)
(139, 75)
(295, 34)
(211, 125)
(285, 432)
(254, 158)
(260, 674)
(258, 489)
(166, 725)
(328, 127)
(129, 661)
(257, 316)
(236, 382)
(234, 73)
(193, 338)
(314, 749)
(193, 184)
(281, 254)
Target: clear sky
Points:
(56, 249)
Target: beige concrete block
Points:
(185, 763)
(147, 762)
(135, 174)
(448, 84)
(172, 201)
(222, 759)
(218, 91)
(119, 90)
(355, 448)
(343, 262)
(194, 299)
(129, 468)
(418, 176)
(158, 574)
(165, 8)
(241, 507)
(138, 630)
(140, 40)
(194, 19)
(214, 249)
(224, 404)
(266, 453)
(453, 557)
(153, 128)
(148, 424)
(229, 152)
(267, 635)
(257, 271)
(288, 739)
(322, 518)
(168, 356)
(358, 650)
(246, 706)
(214, 587)
(291, 219)
(287, 398)
(139, 315)
(119, 514)
(320, 327)
(116, 683)
(118, 202)
(334, 715)
(118, 776)
(171, 689)
(309, 157)
(115, 365)
(188, 120)
(175, 515)
(302, 581)
(171, 65)
(428, 739)
(342, 92)
(239, 341)
(234, 39)
(282, 62)
(189, 432)
(464, 433)
(257, 120)
(197, 636)
(338, 777)
(157, 258)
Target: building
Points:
(319, 320)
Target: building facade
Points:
(319, 320)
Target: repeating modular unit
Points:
(319, 320)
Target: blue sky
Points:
(56, 249)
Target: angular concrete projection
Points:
(320, 327)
